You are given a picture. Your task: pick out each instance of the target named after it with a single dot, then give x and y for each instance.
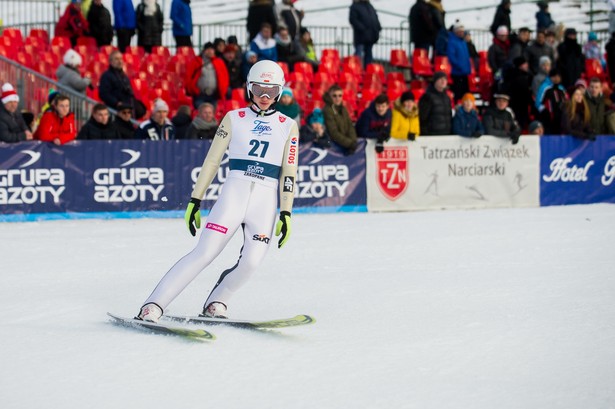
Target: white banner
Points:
(440, 172)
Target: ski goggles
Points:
(262, 90)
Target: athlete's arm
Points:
(214, 157)
(289, 170)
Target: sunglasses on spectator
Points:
(337, 95)
(261, 90)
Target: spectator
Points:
(219, 46)
(474, 56)
(499, 120)
(441, 47)
(115, 86)
(571, 62)
(288, 106)
(437, 19)
(181, 121)
(57, 125)
(598, 105)
(538, 49)
(149, 24)
(466, 121)
(13, 128)
(306, 48)
(576, 116)
(610, 55)
(72, 24)
(207, 77)
(338, 122)
(552, 41)
(123, 121)
(501, 17)
(249, 60)
(551, 96)
(366, 29)
(99, 21)
(459, 58)
(264, 45)
(518, 48)
(435, 112)
(259, 12)
(519, 81)
(543, 17)
(287, 48)
(204, 125)
(158, 127)
(290, 17)
(591, 49)
(315, 131)
(125, 22)
(233, 66)
(536, 128)
(541, 75)
(98, 126)
(375, 122)
(497, 55)
(405, 123)
(68, 74)
(422, 29)
(181, 15)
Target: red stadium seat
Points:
(323, 79)
(354, 65)
(348, 80)
(372, 81)
(421, 66)
(62, 42)
(88, 41)
(135, 50)
(441, 63)
(330, 54)
(374, 68)
(41, 34)
(24, 59)
(395, 89)
(107, 49)
(36, 43)
(14, 34)
(238, 94)
(306, 69)
(285, 69)
(593, 68)
(330, 67)
(399, 59)
(186, 52)
(161, 51)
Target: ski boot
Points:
(214, 310)
(150, 312)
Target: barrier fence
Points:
(111, 179)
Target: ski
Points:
(270, 324)
(193, 334)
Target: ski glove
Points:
(193, 216)
(283, 227)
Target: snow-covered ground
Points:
(507, 308)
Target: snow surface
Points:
(506, 308)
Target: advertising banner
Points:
(453, 172)
(577, 171)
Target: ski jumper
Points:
(262, 151)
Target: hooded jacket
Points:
(181, 15)
(404, 122)
(339, 124)
(52, 126)
(95, 130)
(12, 126)
(364, 21)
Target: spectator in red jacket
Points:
(57, 125)
(207, 78)
(72, 24)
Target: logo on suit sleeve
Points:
(289, 184)
(282, 118)
(242, 114)
(292, 151)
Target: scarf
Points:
(202, 125)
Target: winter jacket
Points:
(571, 61)
(193, 73)
(501, 123)
(200, 129)
(364, 21)
(610, 56)
(259, 12)
(550, 101)
(339, 125)
(51, 126)
(467, 123)
(291, 18)
(71, 78)
(115, 87)
(12, 126)
(99, 20)
(598, 110)
(519, 84)
(124, 15)
(497, 55)
(544, 20)
(404, 122)
(435, 112)
(149, 28)
(422, 29)
(96, 130)
(501, 18)
(535, 51)
(181, 15)
(370, 125)
(288, 51)
(574, 124)
(156, 132)
(458, 55)
(72, 24)
(265, 49)
(307, 134)
(125, 129)
(181, 122)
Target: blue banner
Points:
(576, 171)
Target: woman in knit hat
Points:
(68, 74)
(314, 130)
(466, 121)
(405, 121)
(288, 106)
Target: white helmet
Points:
(268, 74)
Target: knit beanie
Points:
(160, 105)
(72, 58)
(9, 94)
(406, 96)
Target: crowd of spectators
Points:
(537, 83)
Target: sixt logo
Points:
(261, 127)
(261, 237)
(128, 184)
(29, 186)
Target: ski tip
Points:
(305, 319)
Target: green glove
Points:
(193, 216)
(283, 227)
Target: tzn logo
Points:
(562, 172)
(124, 184)
(29, 186)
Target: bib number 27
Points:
(259, 148)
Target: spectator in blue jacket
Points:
(375, 122)
(459, 58)
(125, 22)
(466, 121)
(365, 27)
(543, 17)
(264, 45)
(181, 15)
